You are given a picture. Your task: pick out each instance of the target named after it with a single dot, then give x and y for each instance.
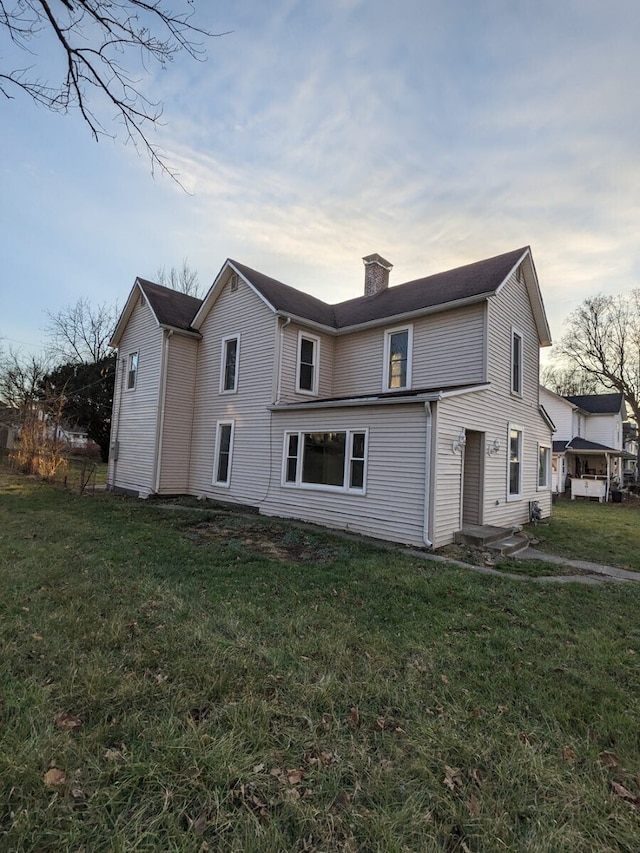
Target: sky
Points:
(434, 132)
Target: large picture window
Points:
(307, 365)
(223, 453)
(397, 358)
(331, 460)
(514, 477)
(229, 364)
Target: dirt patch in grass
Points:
(275, 541)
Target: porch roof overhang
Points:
(425, 395)
(582, 447)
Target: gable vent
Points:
(233, 282)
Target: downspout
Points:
(279, 359)
(427, 475)
(161, 406)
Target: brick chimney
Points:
(376, 274)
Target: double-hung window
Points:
(544, 466)
(335, 460)
(229, 364)
(132, 371)
(307, 364)
(514, 473)
(223, 453)
(516, 362)
(398, 344)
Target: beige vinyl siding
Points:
(178, 415)
(289, 360)
(136, 419)
(393, 506)
(242, 313)
(448, 349)
(491, 411)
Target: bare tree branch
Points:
(185, 279)
(80, 333)
(95, 37)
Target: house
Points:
(630, 445)
(588, 442)
(406, 413)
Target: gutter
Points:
(427, 475)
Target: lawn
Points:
(606, 533)
(200, 680)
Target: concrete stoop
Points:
(502, 541)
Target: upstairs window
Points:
(307, 367)
(516, 362)
(132, 371)
(229, 367)
(397, 358)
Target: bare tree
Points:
(99, 43)
(80, 333)
(602, 339)
(185, 279)
(567, 380)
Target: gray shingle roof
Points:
(171, 307)
(598, 404)
(472, 280)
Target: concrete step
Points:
(481, 535)
(509, 545)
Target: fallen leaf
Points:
(115, 753)
(258, 768)
(199, 825)
(477, 775)
(67, 722)
(294, 777)
(626, 795)
(609, 759)
(474, 806)
(568, 755)
(37, 637)
(53, 778)
(355, 718)
(452, 778)
(341, 802)
(444, 679)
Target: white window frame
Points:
(223, 364)
(386, 373)
(216, 456)
(516, 386)
(130, 358)
(315, 340)
(544, 487)
(349, 459)
(515, 496)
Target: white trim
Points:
(315, 366)
(515, 428)
(223, 363)
(345, 488)
(386, 386)
(216, 456)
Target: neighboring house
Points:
(405, 414)
(9, 429)
(630, 445)
(588, 441)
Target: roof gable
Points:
(598, 404)
(170, 308)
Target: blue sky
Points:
(435, 132)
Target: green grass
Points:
(208, 680)
(605, 533)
